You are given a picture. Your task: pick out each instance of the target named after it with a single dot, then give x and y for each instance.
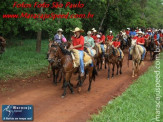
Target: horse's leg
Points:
(117, 67)
(105, 64)
(108, 70)
(113, 70)
(66, 83)
(98, 62)
(49, 70)
(54, 77)
(71, 87)
(120, 63)
(90, 77)
(133, 68)
(58, 70)
(61, 76)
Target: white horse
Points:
(136, 51)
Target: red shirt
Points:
(127, 32)
(77, 41)
(116, 43)
(110, 37)
(161, 34)
(135, 37)
(94, 37)
(140, 40)
(146, 36)
(155, 36)
(102, 39)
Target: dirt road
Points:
(40, 92)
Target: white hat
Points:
(128, 28)
(94, 31)
(98, 36)
(140, 32)
(139, 29)
(89, 32)
(60, 30)
(77, 29)
(110, 31)
(93, 28)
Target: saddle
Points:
(93, 51)
(99, 47)
(76, 58)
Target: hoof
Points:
(108, 78)
(72, 92)
(79, 89)
(62, 96)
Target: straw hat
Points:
(60, 30)
(93, 29)
(77, 29)
(110, 31)
(139, 32)
(89, 32)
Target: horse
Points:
(98, 57)
(59, 55)
(112, 58)
(136, 57)
(123, 43)
(2, 45)
(53, 68)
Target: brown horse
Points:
(112, 58)
(2, 44)
(59, 55)
(98, 58)
(56, 69)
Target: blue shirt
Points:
(58, 39)
(132, 33)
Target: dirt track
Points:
(40, 92)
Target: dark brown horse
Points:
(56, 69)
(58, 55)
(112, 59)
(2, 45)
(98, 58)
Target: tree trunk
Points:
(104, 16)
(38, 43)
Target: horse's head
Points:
(133, 42)
(53, 56)
(109, 51)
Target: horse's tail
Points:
(94, 73)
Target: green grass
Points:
(137, 103)
(21, 59)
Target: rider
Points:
(78, 43)
(110, 37)
(94, 34)
(132, 33)
(140, 41)
(89, 42)
(116, 45)
(156, 37)
(102, 42)
(59, 36)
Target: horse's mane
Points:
(63, 50)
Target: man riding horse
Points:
(78, 43)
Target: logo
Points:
(17, 112)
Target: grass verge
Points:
(21, 60)
(137, 103)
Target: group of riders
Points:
(124, 37)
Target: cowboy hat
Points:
(93, 28)
(94, 31)
(139, 32)
(77, 29)
(60, 30)
(89, 32)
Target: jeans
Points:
(143, 55)
(91, 51)
(81, 54)
(120, 52)
(103, 50)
